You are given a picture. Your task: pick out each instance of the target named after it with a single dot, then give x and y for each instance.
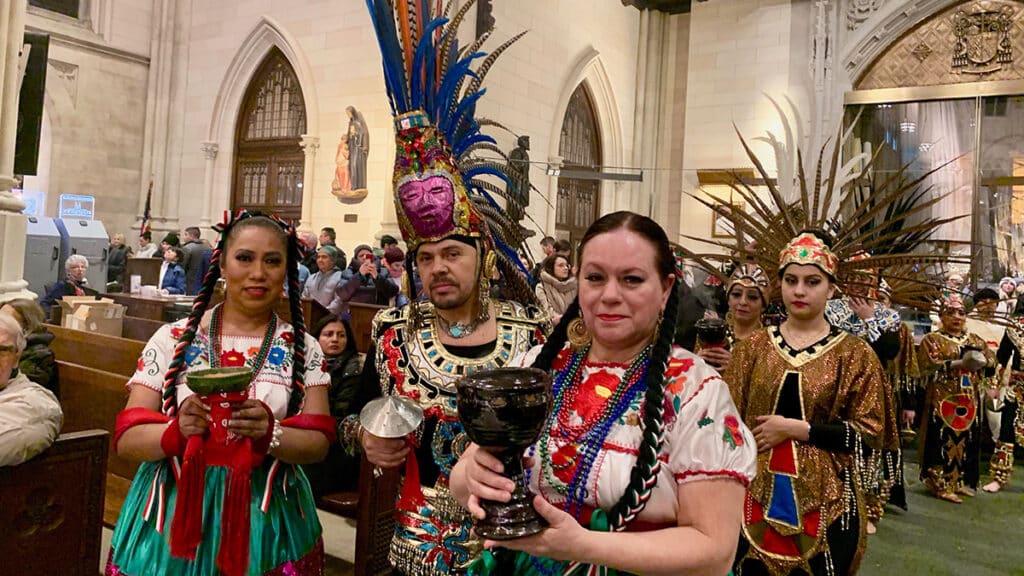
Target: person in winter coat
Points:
(557, 286)
(322, 285)
(37, 361)
(365, 281)
(117, 258)
(172, 274)
(340, 470)
(73, 284)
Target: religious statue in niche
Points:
(350, 159)
(982, 40)
(519, 188)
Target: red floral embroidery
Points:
(177, 331)
(677, 366)
(393, 354)
(323, 365)
(232, 358)
(288, 336)
(594, 393)
(675, 385)
(140, 364)
(563, 462)
(252, 351)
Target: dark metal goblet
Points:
(711, 332)
(504, 412)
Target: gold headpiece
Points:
(809, 249)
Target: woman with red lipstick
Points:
(811, 393)
(643, 454)
(203, 504)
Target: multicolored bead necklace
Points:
(589, 436)
(214, 336)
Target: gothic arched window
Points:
(269, 160)
(580, 148)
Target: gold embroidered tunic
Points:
(803, 488)
(949, 455)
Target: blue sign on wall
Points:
(75, 206)
(35, 201)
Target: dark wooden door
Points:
(578, 203)
(269, 161)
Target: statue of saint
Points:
(350, 160)
(519, 173)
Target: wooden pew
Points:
(108, 353)
(141, 329)
(362, 323)
(91, 399)
(51, 507)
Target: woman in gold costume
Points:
(812, 394)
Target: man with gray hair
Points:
(30, 415)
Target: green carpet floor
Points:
(984, 536)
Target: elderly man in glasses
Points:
(30, 415)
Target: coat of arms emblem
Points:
(982, 40)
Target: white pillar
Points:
(554, 163)
(310, 144)
(12, 222)
(210, 154)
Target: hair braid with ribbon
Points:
(298, 324)
(644, 475)
(199, 306)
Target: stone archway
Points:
(589, 70)
(220, 145)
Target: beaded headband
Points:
(807, 248)
(749, 276)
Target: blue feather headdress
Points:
(442, 186)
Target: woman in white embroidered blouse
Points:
(643, 435)
(191, 506)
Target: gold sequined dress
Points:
(802, 508)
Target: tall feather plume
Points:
(887, 215)
(425, 69)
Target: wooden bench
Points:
(91, 399)
(107, 353)
(51, 506)
(141, 329)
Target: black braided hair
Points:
(298, 323)
(199, 306)
(201, 303)
(644, 474)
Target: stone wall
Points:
(339, 65)
(739, 51)
(95, 108)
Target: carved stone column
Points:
(310, 144)
(12, 222)
(210, 154)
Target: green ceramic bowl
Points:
(217, 380)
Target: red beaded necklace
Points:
(214, 335)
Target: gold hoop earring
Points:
(578, 334)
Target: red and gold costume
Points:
(805, 491)
(949, 455)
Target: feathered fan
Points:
(888, 217)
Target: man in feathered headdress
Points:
(457, 238)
